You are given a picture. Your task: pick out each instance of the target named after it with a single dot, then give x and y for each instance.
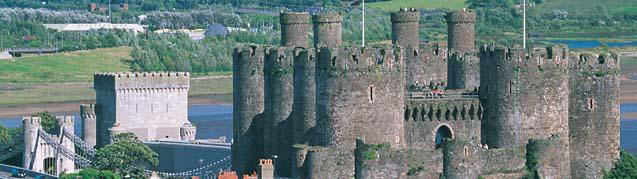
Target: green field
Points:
(64, 67)
(396, 4)
(587, 7)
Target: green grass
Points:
(64, 67)
(394, 5)
(50, 93)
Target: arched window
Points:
(442, 133)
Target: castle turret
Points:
(66, 124)
(304, 106)
(295, 27)
(463, 70)
(278, 107)
(30, 127)
(248, 104)
(89, 125)
(594, 114)
(461, 30)
(188, 132)
(404, 24)
(526, 95)
(328, 29)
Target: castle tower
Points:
(328, 30)
(266, 169)
(248, 104)
(404, 25)
(279, 93)
(461, 30)
(295, 27)
(526, 96)
(188, 132)
(150, 105)
(359, 91)
(89, 124)
(30, 127)
(66, 124)
(463, 70)
(594, 114)
(304, 106)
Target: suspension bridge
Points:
(65, 152)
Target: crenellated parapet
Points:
(594, 115)
(461, 30)
(89, 123)
(526, 95)
(461, 16)
(188, 132)
(371, 61)
(426, 65)
(142, 81)
(463, 70)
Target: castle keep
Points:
(409, 110)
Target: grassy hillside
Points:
(64, 67)
(396, 4)
(588, 7)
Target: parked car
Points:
(18, 173)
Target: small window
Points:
(466, 150)
(371, 93)
(590, 104)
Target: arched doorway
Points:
(442, 133)
(50, 166)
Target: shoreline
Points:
(74, 106)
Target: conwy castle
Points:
(421, 111)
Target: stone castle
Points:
(421, 111)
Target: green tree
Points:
(126, 156)
(91, 173)
(625, 167)
(47, 121)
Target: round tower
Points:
(404, 25)
(526, 95)
(594, 114)
(295, 27)
(279, 93)
(328, 29)
(461, 159)
(30, 127)
(187, 132)
(460, 29)
(89, 124)
(304, 106)
(248, 103)
(114, 131)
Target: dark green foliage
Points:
(489, 3)
(625, 167)
(126, 156)
(371, 150)
(91, 173)
(413, 171)
(47, 121)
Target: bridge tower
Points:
(47, 153)
(30, 127)
(89, 125)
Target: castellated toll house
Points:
(149, 105)
(410, 110)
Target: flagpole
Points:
(524, 24)
(363, 24)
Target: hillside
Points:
(76, 66)
(588, 7)
(396, 4)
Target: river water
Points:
(214, 120)
(575, 44)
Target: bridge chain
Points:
(83, 162)
(80, 143)
(212, 168)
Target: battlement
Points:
(447, 110)
(461, 16)
(585, 61)
(65, 120)
(31, 120)
(144, 80)
(365, 60)
(327, 18)
(87, 109)
(279, 61)
(405, 16)
(535, 57)
(294, 18)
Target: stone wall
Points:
(547, 159)
(379, 161)
(426, 65)
(423, 118)
(304, 106)
(461, 30)
(594, 114)
(466, 160)
(463, 71)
